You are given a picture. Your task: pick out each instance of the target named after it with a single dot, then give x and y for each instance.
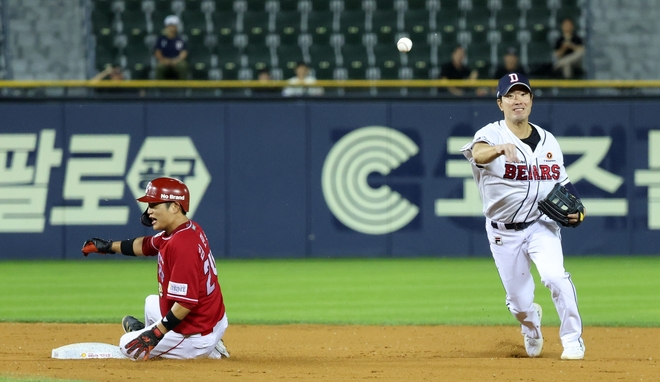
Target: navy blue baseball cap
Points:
(509, 81)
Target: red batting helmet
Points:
(162, 190)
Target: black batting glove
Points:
(145, 342)
(97, 245)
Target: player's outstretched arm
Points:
(131, 247)
(484, 153)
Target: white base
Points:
(87, 350)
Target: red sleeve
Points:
(184, 279)
(150, 245)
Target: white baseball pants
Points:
(175, 345)
(513, 252)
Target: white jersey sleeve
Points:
(510, 191)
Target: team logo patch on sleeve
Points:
(177, 289)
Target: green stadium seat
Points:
(320, 5)
(538, 53)
(199, 62)
(356, 60)
(288, 5)
(419, 59)
(324, 61)
(224, 26)
(229, 61)
(259, 57)
(158, 20)
(287, 25)
(417, 24)
(102, 21)
(106, 55)
(163, 6)
(417, 4)
(319, 25)
(289, 56)
(384, 24)
(444, 53)
(193, 19)
(352, 26)
(448, 24)
(194, 5)
(479, 57)
(134, 23)
(256, 5)
(388, 60)
(224, 6)
(353, 5)
(132, 5)
(255, 25)
(138, 61)
(538, 23)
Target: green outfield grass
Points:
(612, 291)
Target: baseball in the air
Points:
(404, 44)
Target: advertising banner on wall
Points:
(309, 178)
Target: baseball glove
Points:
(559, 204)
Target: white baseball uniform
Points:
(517, 231)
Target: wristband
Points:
(127, 247)
(170, 321)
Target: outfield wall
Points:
(296, 178)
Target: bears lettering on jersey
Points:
(525, 172)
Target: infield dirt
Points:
(345, 353)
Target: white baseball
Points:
(404, 44)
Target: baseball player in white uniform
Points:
(515, 164)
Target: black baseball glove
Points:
(97, 245)
(559, 204)
(144, 343)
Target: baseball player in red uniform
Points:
(187, 319)
(516, 164)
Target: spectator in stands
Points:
(456, 69)
(171, 52)
(510, 64)
(263, 76)
(112, 73)
(302, 76)
(569, 51)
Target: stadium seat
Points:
(103, 21)
(199, 62)
(384, 24)
(106, 54)
(163, 6)
(229, 61)
(319, 25)
(134, 22)
(479, 58)
(419, 59)
(258, 57)
(132, 5)
(224, 26)
(356, 60)
(320, 5)
(417, 4)
(352, 26)
(138, 61)
(538, 23)
(256, 5)
(538, 53)
(224, 6)
(288, 5)
(289, 56)
(256, 26)
(193, 22)
(353, 5)
(448, 24)
(324, 61)
(417, 23)
(388, 60)
(287, 25)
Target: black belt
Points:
(513, 226)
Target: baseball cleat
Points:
(534, 346)
(131, 324)
(574, 352)
(222, 349)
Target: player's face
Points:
(516, 104)
(160, 215)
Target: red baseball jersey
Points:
(187, 275)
